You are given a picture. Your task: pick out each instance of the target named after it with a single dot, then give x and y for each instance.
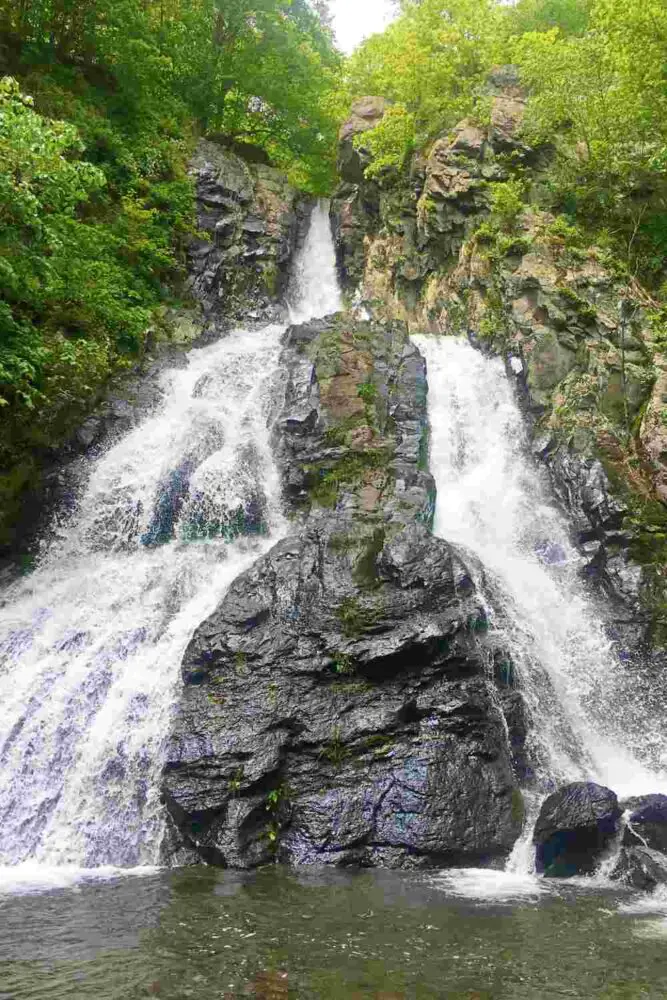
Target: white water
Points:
(91, 642)
(316, 289)
(590, 717)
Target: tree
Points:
(602, 97)
(431, 63)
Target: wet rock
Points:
(575, 826)
(647, 822)
(342, 727)
(255, 220)
(338, 706)
(654, 433)
(641, 868)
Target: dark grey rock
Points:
(255, 220)
(575, 826)
(339, 707)
(641, 868)
(647, 822)
(332, 725)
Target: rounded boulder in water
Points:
(575, 826)
(647, 823)
(641, 868)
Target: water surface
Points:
(312, 933)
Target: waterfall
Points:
(91, 643)
(592, 718)
(316, 291)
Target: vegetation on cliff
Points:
(524, 201)
(595, 72)
(100, 104)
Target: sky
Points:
(354, 20)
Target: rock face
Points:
(365, 114)
(575, 826)
(431, 246)
(338, 706)
(253, 219)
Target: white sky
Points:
(354, 20)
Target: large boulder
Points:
(647, 822)
(338, 706)
(575, 826)
(323, 724)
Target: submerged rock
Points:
(647, 822)
(575, 826)
(641, 868)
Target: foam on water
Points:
(490, 885)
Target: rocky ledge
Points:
(339, 706)
(249, 220)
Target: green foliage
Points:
(601, 94)
(368, 392)
(391, 142)
(80, 273)
(569, 16)
(507, 202)
(595, 72)
(430, 63)
(95, 202)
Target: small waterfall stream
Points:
(592, 719)
(91, 642)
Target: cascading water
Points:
(316, 290)
(91, 642)
(592, 719)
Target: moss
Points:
(341, 542)
(343, 688)
(14, 484)
(518, 808)
(241, 663)
(365, 573)
(335, 437)
(356, 618)
(327, 481)
(335, 750)
(236, 781)
(581, 307)
(343, 663)
(424, 447)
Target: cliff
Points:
(455, 245)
